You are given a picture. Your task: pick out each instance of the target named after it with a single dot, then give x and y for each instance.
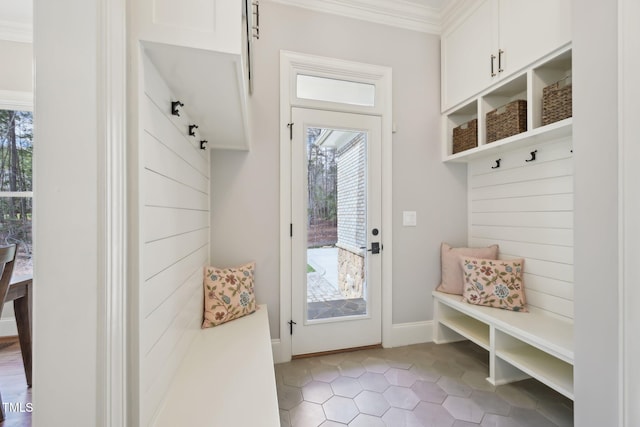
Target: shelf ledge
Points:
(560, 129)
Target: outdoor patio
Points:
(324, 298)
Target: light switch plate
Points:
(409, 218)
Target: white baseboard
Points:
(401, 334)
(276, 349)
(410, 333)
(8, 328)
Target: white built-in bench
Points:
(537, 344)
(226, 379)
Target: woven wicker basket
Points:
(465, 136)
(510, 119)
(557, 101)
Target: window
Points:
(335, 90)
(16, 191)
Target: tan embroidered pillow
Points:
(494, 283)
(228, 294)
(452, 279)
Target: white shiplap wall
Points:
(527, 208)
(174, 224)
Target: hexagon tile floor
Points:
(422, 385)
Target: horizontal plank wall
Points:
(527, 208)
(174, 224)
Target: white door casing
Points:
(292, 64)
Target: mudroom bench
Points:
(226, 378)
(536, 344)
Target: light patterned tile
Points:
(346, 387)
(351, 368)
(364, 420)
(492, 420)
(429, 392)
(432, 415)
(515, 396)
(376, 365)
(374, 382)
(306, 414)
(462, 408)
(400, 397)
(454, 387)
(396, 417)
(490, 402)
(340, 409)
(400, 377)
(285, 420)
(372, 403)
(477, 380)
(325, 373)
(317, 392)
(288, 397)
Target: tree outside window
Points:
(16, 191)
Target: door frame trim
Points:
(291, 64)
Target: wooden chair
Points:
(7, 258)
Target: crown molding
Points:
(16, 32)
(397, 13)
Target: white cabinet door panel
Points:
(466, 55)
(531, 29)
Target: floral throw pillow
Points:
(494, 283)
(228, 294)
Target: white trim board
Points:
(290, 64)
(15, 100)
(411, 333)
(396, 13)
(16, 32)
(402, 334)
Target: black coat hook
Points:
(497, 164)
(533, 156)
(203, 144)
(174, 107)
(192, 131)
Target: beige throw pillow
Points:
(494, 283)
(452, 278)
(228, 294)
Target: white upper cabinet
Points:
(203, 24)
(201, 50)
(530, 30)
(496, 39)
(466, 50)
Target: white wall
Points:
(245, 186)
(174, 226)
(66, 180)
(595, 133)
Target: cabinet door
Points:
(530, 30)
(214, 25)
(466, 55)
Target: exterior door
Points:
(336, 230)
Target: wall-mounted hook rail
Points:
(174, 107)
(256, 27)
(497, 164)
(203, 144)
(192, 129)
(533, 156)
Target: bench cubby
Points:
(536, 344)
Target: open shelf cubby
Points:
(548, 369)
(528, 85)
